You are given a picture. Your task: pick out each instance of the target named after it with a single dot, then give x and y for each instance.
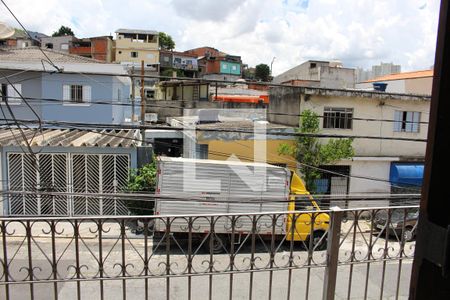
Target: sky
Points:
(360, 33)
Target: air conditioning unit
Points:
(151, 117)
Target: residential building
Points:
(217, 65)
(70, 161)
(78, 94)
(20, 39)
(188, 90)
(383, 116)
(377, 71)
(100, 48)
(415, 82)
(316, 73)
(58, 43)
(132, 46)
(173, 61)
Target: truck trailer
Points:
(223, 188)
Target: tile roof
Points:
(70, 138)
(35, 55)
(404, 75)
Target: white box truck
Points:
(213, 187)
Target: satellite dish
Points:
(6, 31)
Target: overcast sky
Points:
(357, 32)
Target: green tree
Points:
(262, 72)
(311, 154)
(62, 31)
(166, 42)
(142, 180)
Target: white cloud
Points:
(360, 33)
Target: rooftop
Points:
(33, 59)
(69, 138)
(34, 54)
(136, 31)
(404, 75)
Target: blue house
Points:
(80, 93)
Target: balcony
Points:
(366, 251)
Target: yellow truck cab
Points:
(316, 223)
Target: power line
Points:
(259, 83)
(82, 125)
(150, 197)
(155, 101)
(223, 154)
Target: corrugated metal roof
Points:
(70, 138)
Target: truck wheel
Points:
(217, 245)
(319, 243)
(408, 234)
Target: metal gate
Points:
(66, 172)
(99, 173)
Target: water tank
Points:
(380, 86)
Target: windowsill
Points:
(339, 129)
(76, 104)
(407, 132)
(11, 103)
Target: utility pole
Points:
(142, 104)
(133, 95)
(430, 277)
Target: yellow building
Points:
(230, 137)
(244, 150)
(133, 46)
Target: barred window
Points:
(76, 93)
(338, 118)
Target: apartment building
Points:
(395, 165)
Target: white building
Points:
(395, 165)
(316, 73)
(377, 71)
(416, 82)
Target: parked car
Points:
(398, 223)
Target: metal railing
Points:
(353, 253)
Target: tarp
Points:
(406, 174)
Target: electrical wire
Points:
(400, 185)
(82, 125)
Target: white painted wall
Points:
(373, 157)
(375, 108)
(394, 86)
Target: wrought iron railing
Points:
(358, 253)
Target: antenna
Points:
(6, 31)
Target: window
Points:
(11, 93)
(64, 46)
(338, 118)
(77, 93)
(49, 45)
(150, 94)
(134, 54)
(406, 121)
